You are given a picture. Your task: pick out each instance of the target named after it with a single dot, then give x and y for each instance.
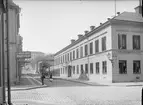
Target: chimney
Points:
(100, 23)
(80, 36)
(108, 18)
(85, 32)
(118, 13)
(72, 40)
(92, 28)
(138, 9)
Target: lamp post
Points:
(112, 57)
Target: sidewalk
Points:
(125, 84)
(27, 83)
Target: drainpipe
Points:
(88, 57)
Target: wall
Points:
(129, 54)
(101, 56)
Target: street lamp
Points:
(111, 57)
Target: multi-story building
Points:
(13, 29)
(111, 52)
(20, 62)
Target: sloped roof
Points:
(130, 16)
(125, 16)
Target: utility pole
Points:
(8, 68)
(2, 50)
(3, 54)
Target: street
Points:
(60, 83)
(63, 92)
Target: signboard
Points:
(1, 95)
(25, 54)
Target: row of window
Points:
(78, 53)
(122, 41)
(122, 68)
(75, 69)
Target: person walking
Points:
(51, 77)
(42, 75)
(42, 78)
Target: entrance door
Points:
(69, 71)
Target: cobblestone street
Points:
(63, 92)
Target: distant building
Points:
(111, 52)
(35, 54)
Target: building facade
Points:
(111, 52)
(13, 29)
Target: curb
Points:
(28, 88)
(97, 84)
(83, 82)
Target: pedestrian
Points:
(42, 75)
(42, 78)
(51, 77)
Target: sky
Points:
(48, 26)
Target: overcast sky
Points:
(48, 26)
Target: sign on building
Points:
(25, 54)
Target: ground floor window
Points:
(122, 66)
(136, 67)
(73, 69)
(81, 69)
(86, 68)
(61, 70)
(91, 68)
(104, 67)
(77, 68)
(97, 67)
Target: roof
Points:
(130, 16)
(125, 16)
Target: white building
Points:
(111, 52)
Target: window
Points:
(63, 58)
(73, 54)
(136, 67)
(97, 67)
(77, 53)
(73, 69)
(104, 67)
(121, 41)
(91, 48)
(81, 69)
(97, 46)
(122, 67)
(70, 56)
(86, 68)
(61, 70)
(91, 68)
(77, 68)
(81, 52)
(136, 42)
(103, 43)
(86, 50)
